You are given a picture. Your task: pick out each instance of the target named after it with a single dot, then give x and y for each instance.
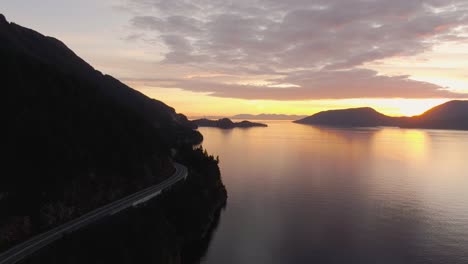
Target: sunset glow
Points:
(197, 105)
(400, 58)
(238, 131)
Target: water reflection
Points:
(404, 144)
(303, 194)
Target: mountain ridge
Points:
(449, 115)
(52, 51)
(76, 139)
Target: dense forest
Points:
(175, 228)
(75, 139)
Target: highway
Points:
(32, 245)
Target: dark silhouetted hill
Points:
(74, 139)
(354, 117)
(450, 115)
(226, 123)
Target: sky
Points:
(213, 57)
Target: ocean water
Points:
(305, 194)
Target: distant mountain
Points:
(354, 117)
(268, 117)
(226, 123)
(74, 139)
(451, 115)
(206, 117)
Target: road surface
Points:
(32, 245)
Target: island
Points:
(226, 123)
(77, 140)
(450, 115)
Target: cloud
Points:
(133, 37)
(318, 40)
(172, 24)
(356, 83)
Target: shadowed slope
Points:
(75, 138)
(450, 115)
(353, 117)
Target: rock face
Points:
(75, 138)
(451, 115)
(226, 123)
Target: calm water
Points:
(302, 194)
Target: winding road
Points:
(32, 245)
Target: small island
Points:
(226, 123)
